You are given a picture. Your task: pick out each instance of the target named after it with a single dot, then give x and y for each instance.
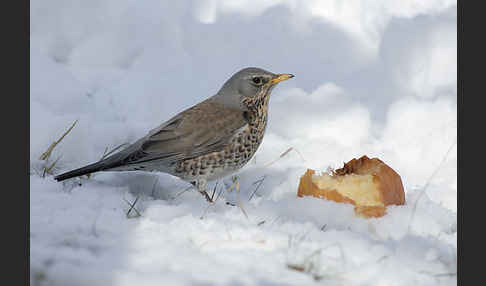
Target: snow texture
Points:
(372, 77)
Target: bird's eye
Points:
(257, 80)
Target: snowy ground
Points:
(375, 78)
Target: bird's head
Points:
(249, 84)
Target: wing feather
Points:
(199, 130)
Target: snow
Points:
(375, 78)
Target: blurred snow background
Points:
(372, 77)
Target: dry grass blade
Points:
(260, 182)
(279, 157)
(214, 191)
(219, 194)
(427, 185)
(286, 152)
(275, 220)
(153, 187)
(47, 154)
(238, 201)
(283, 155)
(236, 186)
(185, 190)
(132, 207)
(112, 150)
(48, 169)
(301, 157)
(296, 267)
(308, 266)
(242, 209)
(213, 202)
(107, 154)
(438, 275)
(446, 274)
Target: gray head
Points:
(248, 83)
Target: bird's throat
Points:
(257, 114)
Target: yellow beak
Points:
(281, 77)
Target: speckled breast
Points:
(241, 148)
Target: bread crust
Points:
(386, 181)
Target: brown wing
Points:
(199, 130)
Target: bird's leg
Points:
(236, 186)
(201, 187)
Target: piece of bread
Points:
(369, 184)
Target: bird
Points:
(208, 141)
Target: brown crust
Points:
(389, 182)
(368, 212)
(391, 187)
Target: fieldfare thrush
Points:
(207, 141)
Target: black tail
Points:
(113, 161)
(92, 168)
